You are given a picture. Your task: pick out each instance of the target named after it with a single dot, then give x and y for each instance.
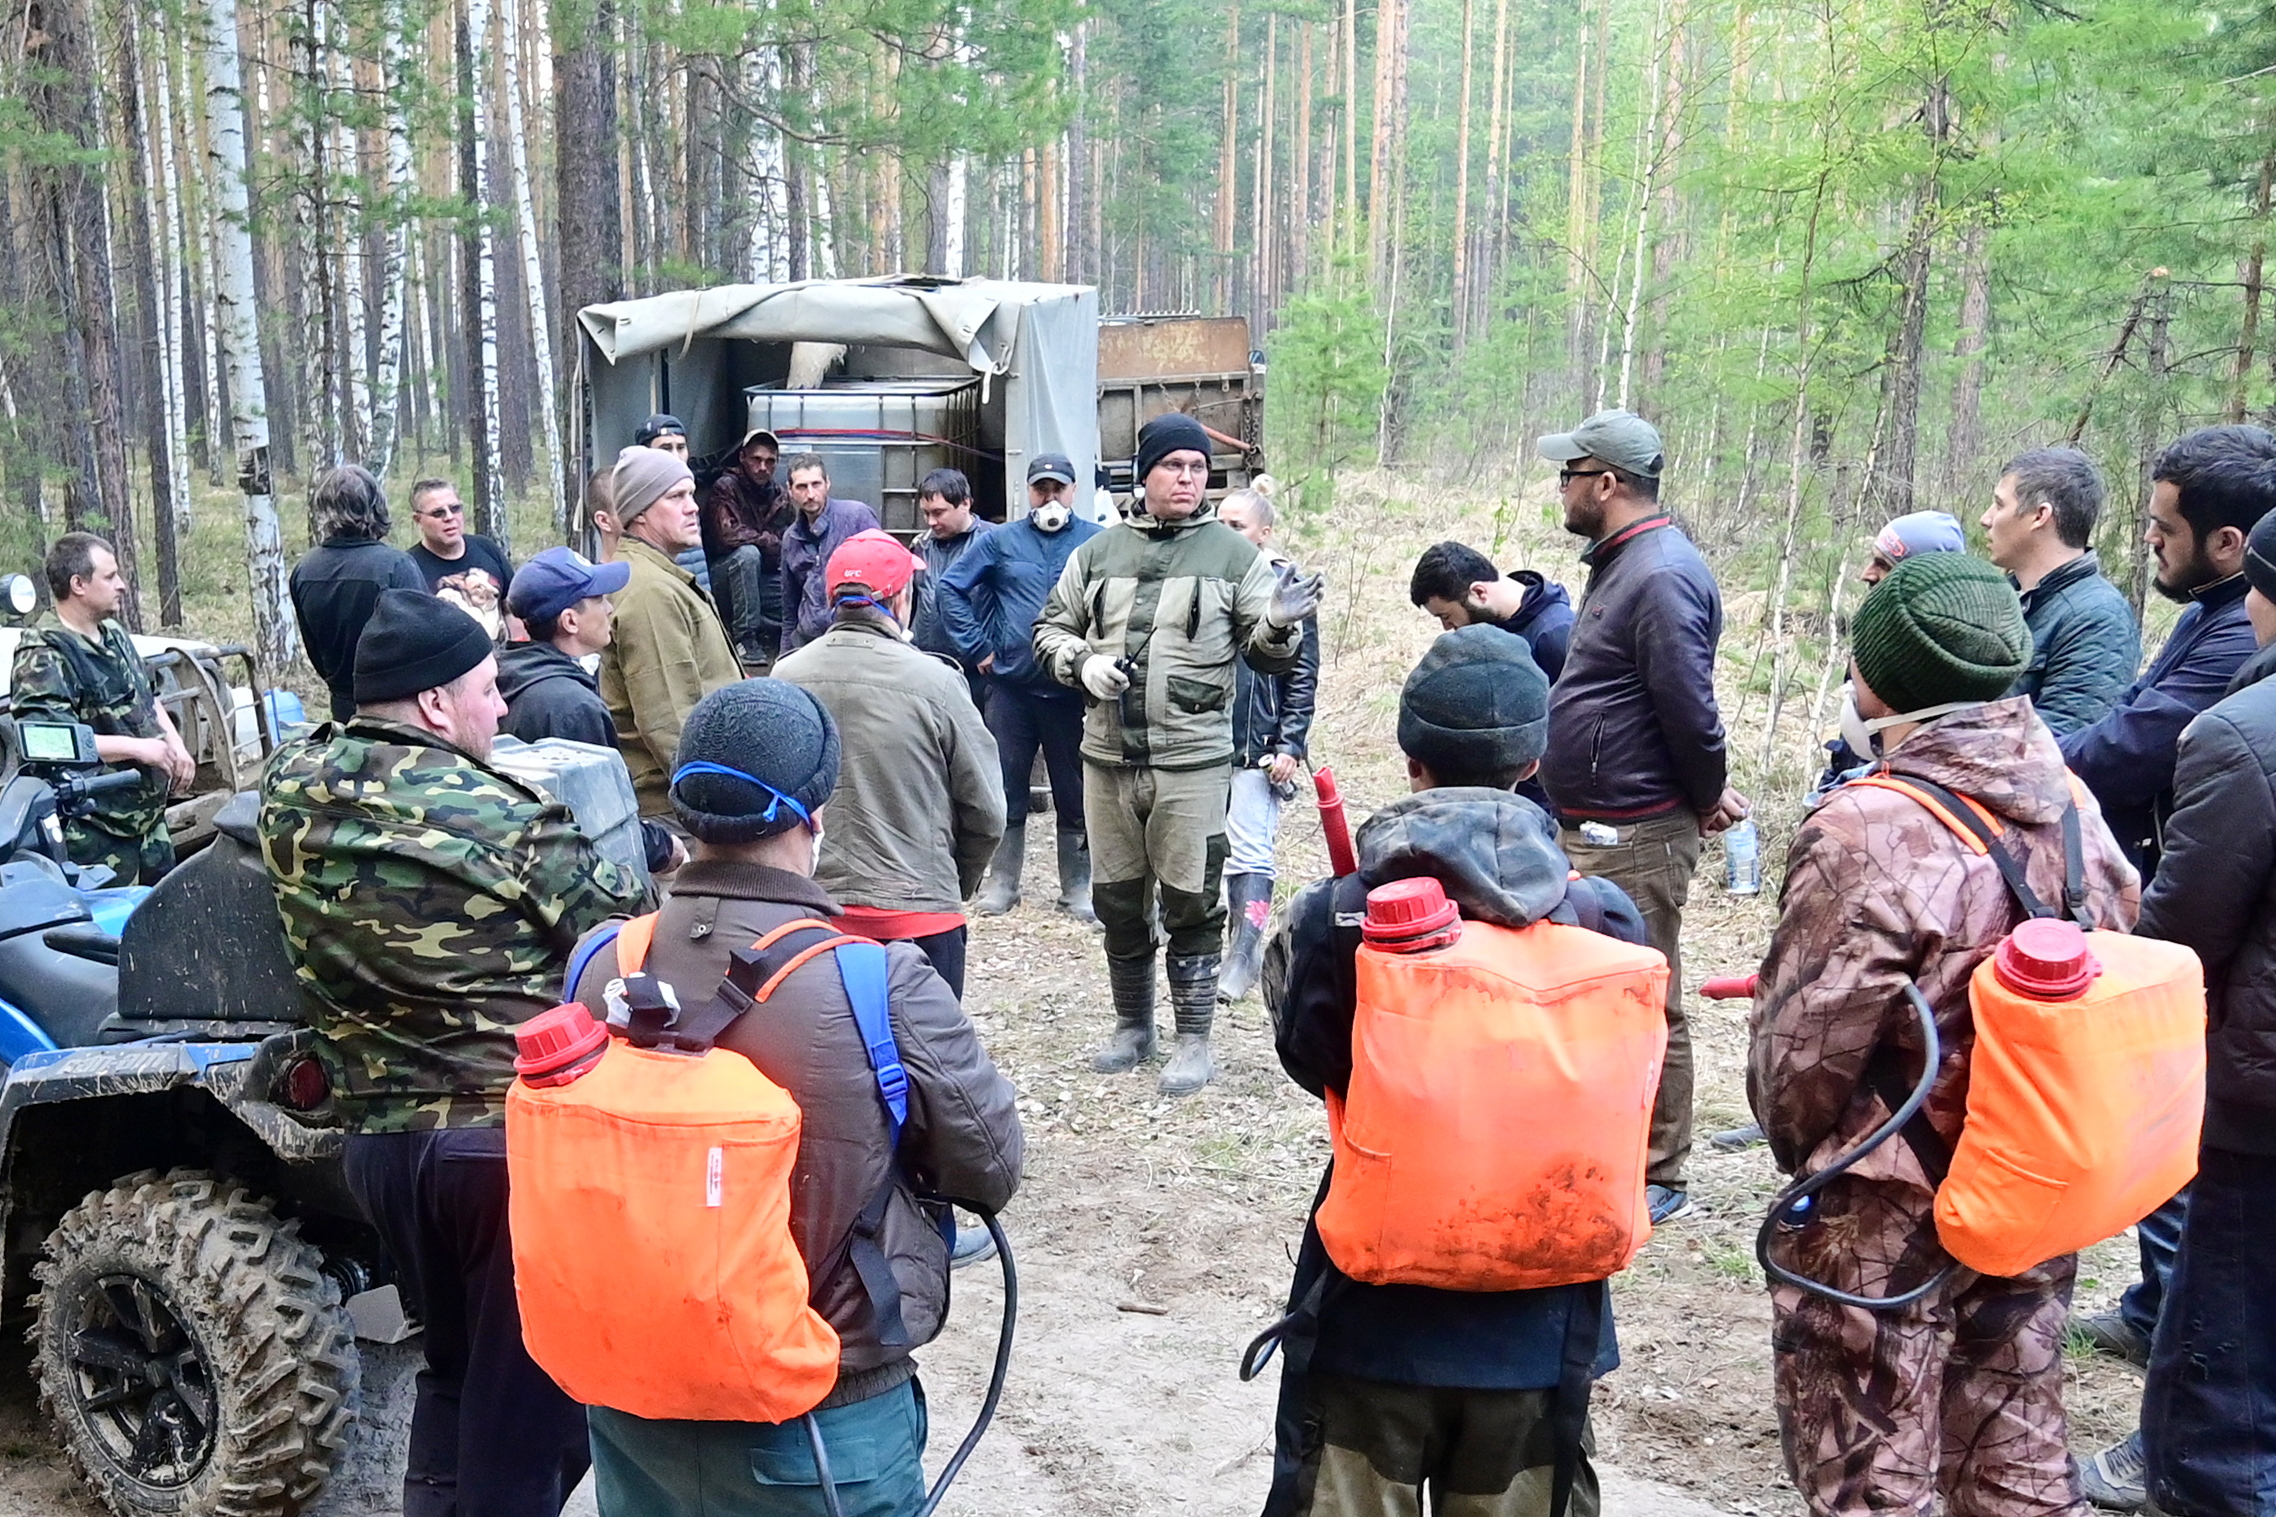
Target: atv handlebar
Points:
(1730, 987)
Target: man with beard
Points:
(744, 514)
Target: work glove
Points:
(1102, 679)
(1295, 597)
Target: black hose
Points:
(1804, 1189)
(1003, 1358)
(822, 1466)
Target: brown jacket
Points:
(1878, 892)
(962, 1138)
(920, 802)
(668, 653)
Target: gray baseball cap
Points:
(1620, 438)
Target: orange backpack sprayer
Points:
(2086, 1086)
(650, 1199)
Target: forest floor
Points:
(1154, 1238)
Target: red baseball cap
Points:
(875, 560)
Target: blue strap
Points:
(862, 968)
(588, 951)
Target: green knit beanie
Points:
(1942, 627)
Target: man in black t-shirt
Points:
(465, 568)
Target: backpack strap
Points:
(630, 938)
(1968, 820)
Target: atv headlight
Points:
(21, 596)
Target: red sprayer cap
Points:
(2046, 959)
(555, 1047)
(1407, 916)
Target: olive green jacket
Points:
(1180, 601)
(669, 652)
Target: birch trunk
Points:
(547, 379)
(1462, 188)
(395, 244)
(275, 638)
(478, 277)
(149, 274)
(172, 241)
(1649, 151)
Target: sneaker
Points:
(2115, 1478)
(1667, 1203)
(2110, 1333)
(1732, 1139)
(973, 1244)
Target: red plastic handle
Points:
(1333, 827)
(1730, 987)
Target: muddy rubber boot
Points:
(1132, 981)
(1075, 875)
(999, 892)
(1193, 998)
(1248, 902)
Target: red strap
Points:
(632, 943)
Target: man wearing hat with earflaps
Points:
(1148, 617)
(669, 649)
(429, 905)
(759, 761)
(1959, 1393)
(1391, 1390)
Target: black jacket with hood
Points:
(1494, 853)
(549, 694)
(2215, 892)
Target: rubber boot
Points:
(1132, 981)
(1248, 903)
(1075, 875)
(999, 892)
(1193, 998)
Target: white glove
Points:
(1294, 598)
(1102, 679)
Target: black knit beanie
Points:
(2260, 556)
(779, 741)
(415, 642)
(1475, 704)
(1171, 432)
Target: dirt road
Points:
(1192, 1209)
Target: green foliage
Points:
(1327, 379)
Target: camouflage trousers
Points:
(135, 861)
(1958, 1396)
(1371, 1448)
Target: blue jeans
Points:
(645, 1468)
(2159, 1237)
(1252, 824)
(2209, 1405)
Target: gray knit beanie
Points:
(756, 759)
(641, 477)
(1477, 703)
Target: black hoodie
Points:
(549, 694)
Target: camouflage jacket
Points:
(1879, 892)
(429, 903)
(61, 676)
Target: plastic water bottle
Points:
(1742, 860)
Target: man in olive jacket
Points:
(669, 650)
(1148, 617)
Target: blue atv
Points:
(181, 1242)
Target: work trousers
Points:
(1958, 1396)
(1653, 861)
(1372, 1448)
(2209, 1407)
(876, 1448)
(1022, 723)
(1252, 824)
(491, 1434)
(1157, 831)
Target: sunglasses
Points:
(456, 508)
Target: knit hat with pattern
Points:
(1941, 627)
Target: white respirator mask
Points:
(1051, 516)
(1864, 737)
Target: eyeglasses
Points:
(455, 508)
(1567, 476)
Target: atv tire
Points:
(193, 1355)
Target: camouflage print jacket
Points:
(429, 903)
(60, 676)
(1878, 892)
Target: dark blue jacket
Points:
(2127, 758)
(1544, 619)
(927, 627)
(1633, 727)
(1498, 859)
(2085, 646)
(806, 551)
(1272, 713)
(991, 596)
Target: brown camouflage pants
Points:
(1958, 1396)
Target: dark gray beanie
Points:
(780, 744)
(2260, 556)
(1171, 432)
(1476, 703)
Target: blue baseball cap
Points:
(557, 579)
